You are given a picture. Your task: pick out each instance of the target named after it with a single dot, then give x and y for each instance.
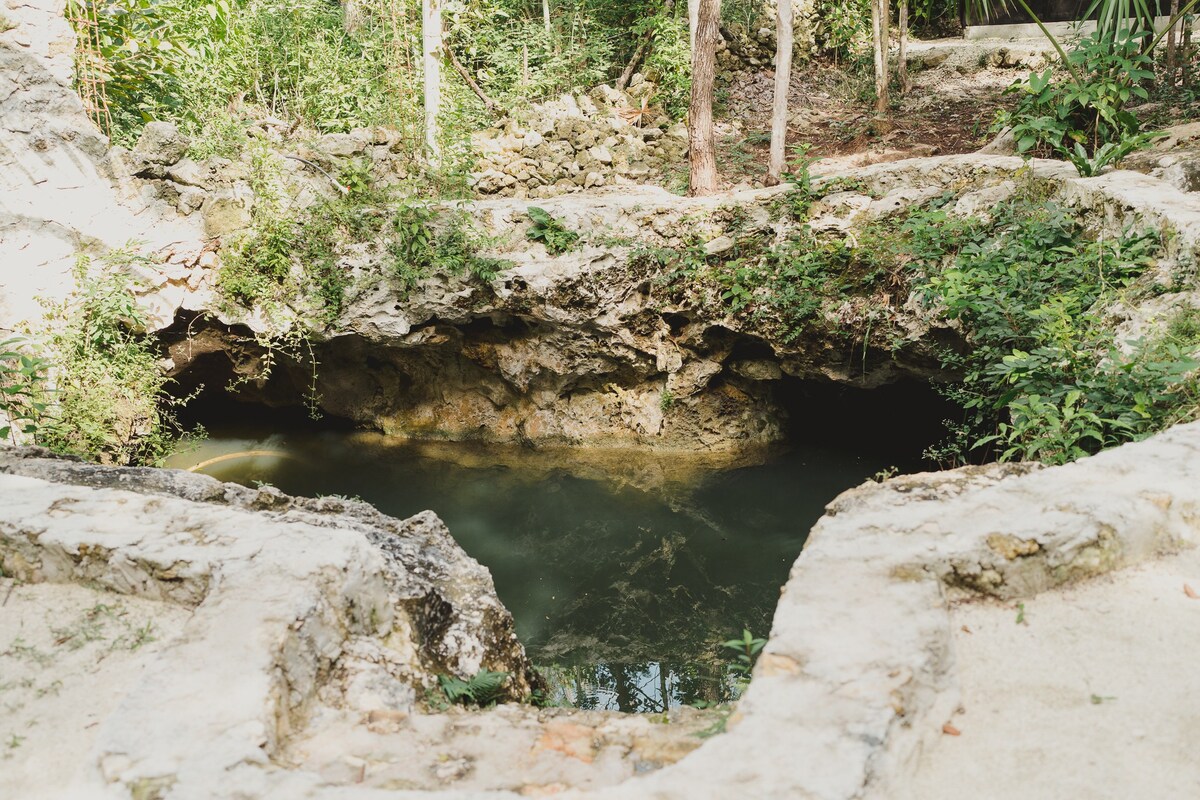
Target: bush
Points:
(23, 394)
(550, 232)
(1082, 118)
(1042, 377)
(111, 404)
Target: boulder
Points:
(160, 145)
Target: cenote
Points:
(623, 570)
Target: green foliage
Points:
(1082, 118)
(799, 175)
(512, 56)
(133, 50)
(111, 403)
(285, 258)
(746, 650)
(204, 63)
(550, 232)
(1039, 373)
(420, 250)
(669, 63)
(843, 29)
(23, 390)
(414, 248)
(1042, 377)
(485, 688)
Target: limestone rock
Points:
(292, 602)
(341, 144)
(227, 211)
(59, 192)
(160, 145)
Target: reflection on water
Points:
(622, 572)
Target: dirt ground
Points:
(957, 88)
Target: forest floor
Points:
(949, 108)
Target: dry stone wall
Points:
(579, 142)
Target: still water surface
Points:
(623, 571)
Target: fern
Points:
(483, 689)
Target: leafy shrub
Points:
(843, 29)
(550, 232)
(1042, 377)
(485, 688)
(23, 394)
(420, 250)
(1038, 372)
(111, 403)
(1082, 118)
(669, 63)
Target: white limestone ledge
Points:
(288, 598)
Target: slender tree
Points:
(431, 47)
(879, 38)
(902, 55)
(783, 79)
(1172, 66)
(702, 148)
(693, 23)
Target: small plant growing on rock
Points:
(550, 232)
(747, 649)
(22, 390)
(420, 249)
(483, 689)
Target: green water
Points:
(623, 572)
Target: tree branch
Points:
(488, 103)
(642, 48)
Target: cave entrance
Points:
(624, 570)
(896, 421)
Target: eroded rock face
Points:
(56, 200)
(295, 603)
(601, 346)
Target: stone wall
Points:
(603, 138)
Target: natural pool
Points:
(622, 570)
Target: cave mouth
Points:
(623, 570)
(898, 420)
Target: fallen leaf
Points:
(950, 730)
(1190, 592)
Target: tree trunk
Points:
(783, 80)
(1185, 57)
(902, 56)
(702, 147)
(352, 16)
(431, 47)
(879, 39)
(693, 24)
(1171, 55)
(643, 47)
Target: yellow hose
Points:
(242, 454)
